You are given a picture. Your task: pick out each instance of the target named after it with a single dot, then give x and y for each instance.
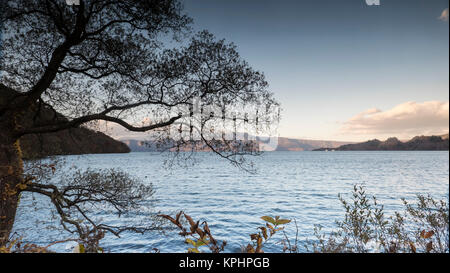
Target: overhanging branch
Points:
(78, 121)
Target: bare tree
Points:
(78, 197)
(109, 60)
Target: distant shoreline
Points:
(418, 143)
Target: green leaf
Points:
(189, 241)
(269, 219)
(201, 243)
(193, 250)
(282, 221)
(81, 248)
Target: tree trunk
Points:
(11, 177)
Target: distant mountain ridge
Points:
(139, 145)
(418, 143)
(74, 141)
(284, 144)
(292, 144)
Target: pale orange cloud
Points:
(404, 120)
(444, 15)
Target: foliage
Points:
(200, 234)
(202, 237)
(423, 227)
(265, 233)
(289, 245)
(109, 61)
(431, 219)
(78, 195)
(83, 192)
(18, 246)
(89, 244)
(54, 54)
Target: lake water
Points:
(300, 185)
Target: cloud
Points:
(404, 120)
(444, 15)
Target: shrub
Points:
(423, 227)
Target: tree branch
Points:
(78, 121)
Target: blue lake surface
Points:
(300, 185)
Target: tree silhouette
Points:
(109, 60)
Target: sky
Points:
(341, 69)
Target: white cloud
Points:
(404, 120)
(444, 15)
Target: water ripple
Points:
(302, 185)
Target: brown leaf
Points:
(259, 242)
(429, 246)
(191, 222)
(264, 232)
(200, 232)
(250, 249)
(207, 231)
(206, 228)
(175, 222)
(194, 227)
(393, 247)
(211, 238)
(177, 219)
(168, 218)
(428, 234)
(413, 247)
